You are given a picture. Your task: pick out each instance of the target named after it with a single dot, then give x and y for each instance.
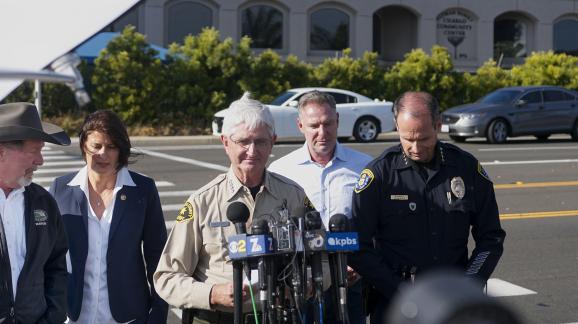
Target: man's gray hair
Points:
(250, 112)
(317, 97)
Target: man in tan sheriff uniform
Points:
(195, 270)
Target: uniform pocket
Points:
(459, 212)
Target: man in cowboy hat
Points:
(32, 239)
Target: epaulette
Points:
(213, 183)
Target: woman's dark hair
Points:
(107, 122)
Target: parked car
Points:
(534, 110)
(359, 116)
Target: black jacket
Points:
(407, 215)
(41, 288)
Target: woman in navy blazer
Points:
(115, 227)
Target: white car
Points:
(359, 116)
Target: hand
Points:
(352, 276)
(222, 294)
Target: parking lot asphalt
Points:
(536, 186)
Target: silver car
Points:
(516, 111)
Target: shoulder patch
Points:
(483, 172)
(186, 213)
(365, 179)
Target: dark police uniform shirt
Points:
(420, 215)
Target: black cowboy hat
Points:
(20, 121)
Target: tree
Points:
(547, 68)
(128, 78)
(361, 75)
(487, 78)
(204, 73)
(421, 72)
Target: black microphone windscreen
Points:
(260, 227)
(237, 212)
(338, 223)
(313, 220)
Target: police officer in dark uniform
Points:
(414, 206)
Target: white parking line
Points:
(173, 207)
(183, 193)
(63, 163)
(49, 180)
(533, 148)
(60, 157)
(497, 162)
(43, 170)
(500, 288)
(184, 160)
(52, 152)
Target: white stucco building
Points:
(473, 30)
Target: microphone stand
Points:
(238, 291)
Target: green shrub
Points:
(128, 78)
(422, 72)
(362, 75)
(203, 75)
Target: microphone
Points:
(261, 227)
(238, 214)
(339, 223)
(314, 243)
(298, 280)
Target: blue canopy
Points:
(90, 49)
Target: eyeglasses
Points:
(245, 143)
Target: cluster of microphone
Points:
(282, 250)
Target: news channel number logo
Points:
(243, 246)
(345, 241)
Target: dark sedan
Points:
(516, 111)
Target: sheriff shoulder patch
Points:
(483, 172)
(365, 179)
(186, 213)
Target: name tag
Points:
(219, 224)
(399, 197)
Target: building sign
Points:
(456, 30)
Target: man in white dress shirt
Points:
(328, 172)
(32, 239)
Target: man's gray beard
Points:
(24, 181)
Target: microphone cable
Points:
(253, 303)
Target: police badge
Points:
(458, 187)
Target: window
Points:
(329, 30)
(510, 38)
(532, 97)
(341, 98)
(569, 97)
(264, 25)
(565, 40)
(553, 95)
(184, 18)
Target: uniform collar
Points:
(304, 157)
(234, 185)
(402, 161)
